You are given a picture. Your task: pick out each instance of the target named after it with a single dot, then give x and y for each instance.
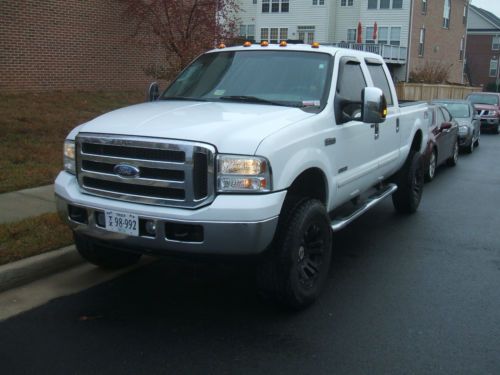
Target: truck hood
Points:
(231, 127)
(485, 107)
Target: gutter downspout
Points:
(464, 57)
(408, 54)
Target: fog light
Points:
(150, 227)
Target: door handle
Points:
(377, 130)
(397, 125)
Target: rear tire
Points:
(410, 181)
(298, 264)
(102, 256)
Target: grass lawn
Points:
(34, 126)
(33, 236)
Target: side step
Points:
(340, 223)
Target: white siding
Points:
(301, 13)
(348, 18)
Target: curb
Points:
(30, 269)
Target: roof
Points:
(324, 48)
(488, 15)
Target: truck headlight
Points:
(69, 156)
(463, 129)
(238, 173)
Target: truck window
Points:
(350, 83)
(380, 80)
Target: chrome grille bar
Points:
(182, 175)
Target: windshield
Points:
(483, 99)
(459, 110)
(289, 78)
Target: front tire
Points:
(410, 181)
(431, 168)
(298, 265)
(453, 159)
(102, 256)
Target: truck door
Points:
(353, 155)
(387, 135)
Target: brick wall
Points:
(68, 45)
(442, 45)
(479, 55)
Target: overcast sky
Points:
(491, 5)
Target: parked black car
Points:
(469, 123)
(442, 146)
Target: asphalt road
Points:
(406, 295)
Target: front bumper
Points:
(464, 140)
(489, 123)
(230, 225)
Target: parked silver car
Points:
(468, 121)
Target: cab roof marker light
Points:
(315, 45)
(283, 43)
(264, 43)
(247, 44)
(221, 46)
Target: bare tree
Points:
(183, 28)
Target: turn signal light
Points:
(247, 44)
(315, 45)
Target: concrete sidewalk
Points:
(23, 204)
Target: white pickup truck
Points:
(255, 150)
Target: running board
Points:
(340, 223)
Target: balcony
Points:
(390, 54)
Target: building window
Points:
(285, 6)
(383, 35)
(369, 35)
(397, 4)
(265, 6)
(318, 2)
(283, 33)
(493, 68)
(348, 3)
(461, 53)
(247, 32)
(351, 35)
(372, 4)
(306, 33)
(255, 1)
(446, 14)
(385, 4)
(464, 18)
(496, 43)
(424, 6)
(264, 34)
(421, 42)
(273, 35)
(395, 36)
(275, 6)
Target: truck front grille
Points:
(166, 172)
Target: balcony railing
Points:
(390, 54)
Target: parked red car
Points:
(487, 105)
(442, 146)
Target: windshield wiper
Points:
(255, 99)
(182, 98)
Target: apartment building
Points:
(483, 48)
(408, 33)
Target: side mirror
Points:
(445, 126)
(374, 105)
(153, 92)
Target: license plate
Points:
(122, 222)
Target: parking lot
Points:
(416, 294)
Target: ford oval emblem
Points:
(126, 170)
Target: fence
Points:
(424, 91)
